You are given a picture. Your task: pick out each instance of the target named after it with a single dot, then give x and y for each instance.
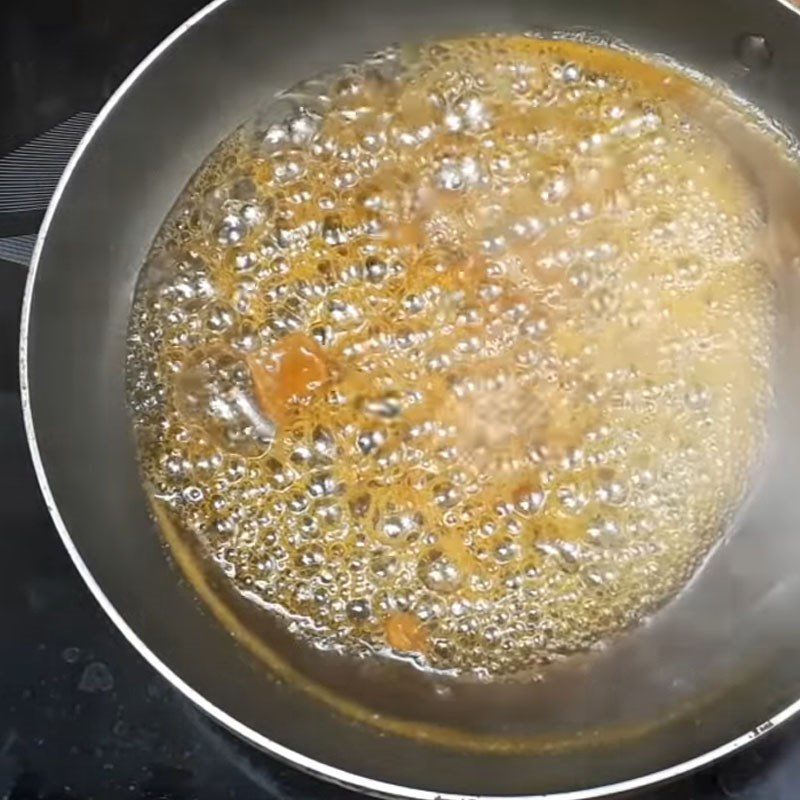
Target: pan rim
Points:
(292, 757)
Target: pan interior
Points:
(491, 500)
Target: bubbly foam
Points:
(466, 360)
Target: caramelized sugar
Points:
(467, 359)
(291, 372)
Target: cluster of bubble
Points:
(535, 281)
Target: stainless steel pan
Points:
(716, 669)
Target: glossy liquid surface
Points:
(465, 361)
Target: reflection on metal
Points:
(29, 174)
(18, 249)
(28, 178)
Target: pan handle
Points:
(28, 178)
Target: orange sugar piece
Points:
(405, 633)
(292, 372)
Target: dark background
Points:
(81, 715)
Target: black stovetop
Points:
(81, 715)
